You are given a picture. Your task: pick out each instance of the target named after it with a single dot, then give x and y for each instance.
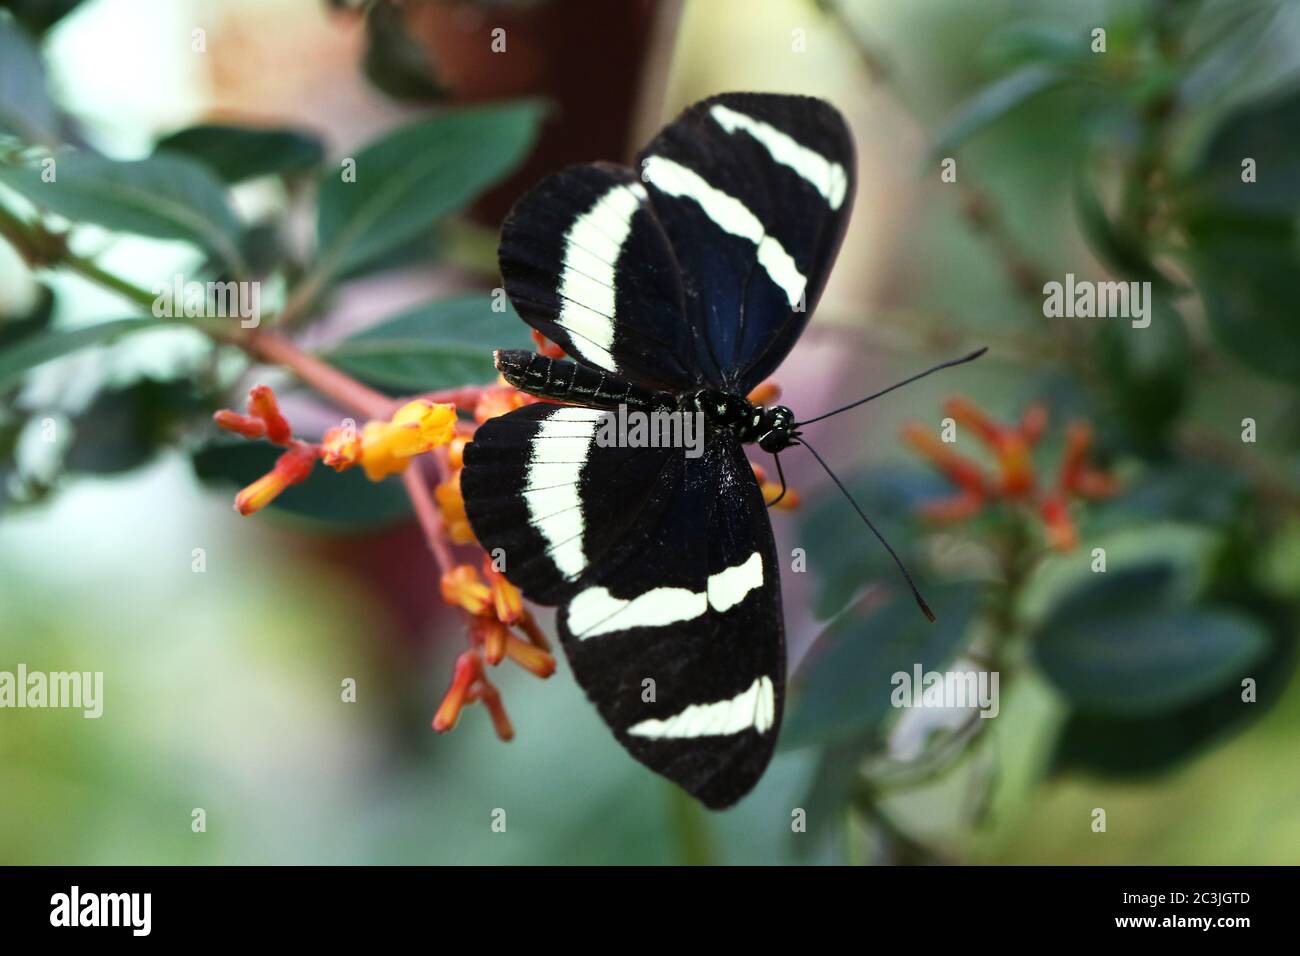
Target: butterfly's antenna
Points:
(920, 601)
(907, 381)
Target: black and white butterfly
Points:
(679, 286)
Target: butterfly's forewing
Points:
(754, 192)
(677, 635)
(586, 263)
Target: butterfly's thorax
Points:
(772, 427)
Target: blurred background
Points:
(1116, 156)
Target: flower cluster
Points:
(1015, 480)
(495, 607)
(382, 448)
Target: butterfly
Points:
(675, 288)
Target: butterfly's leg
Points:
(780, 474)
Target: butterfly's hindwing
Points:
(754, 191)
(676, 635)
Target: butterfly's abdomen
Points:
(564, 381)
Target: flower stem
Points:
(427, 513)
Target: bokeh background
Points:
(222, 688)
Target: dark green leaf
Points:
(1146, 374)
(25, 107)
(842, 690)
(14, 328)
(123, 427)
(435, 345)
(27, 354)
(39, 15)
(1137, 747)
(395, 62)
(346, 501)
(239, 153)
(167, 197)
(993, 102)
(1117, 248)
(1267, 131)
(1118, 645)
(413, 177)
(1247, 276)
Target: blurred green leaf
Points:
(30, 352)
(166, 197)
(411, 178)
(1021, 42)
(39, 15)
(436, 345)
(1119, 250)
(338, 502)
(842, 690)
(25, 107)
(1247, 276)
(14, 328)
(993, 102)
(395, 62)
(1117, 645)
(124, 427)
(1267, 131)
(239, 153)
(1146, 374)
(1140, 746)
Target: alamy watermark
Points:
(661, 428)
(222, 300)
(1085, 299)
(946, 689)
(58, 689)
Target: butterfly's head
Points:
(776, 430)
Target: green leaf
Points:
(1117, 646)
(15, 328)
(395, 62)
(1138, 747)
(1146, 373)
(435, 345)
(1247, 276)
(993, 102)
(337, 502)
(25, 106)
(39, 15)
(239, 153)
(16, 360)
(166, 197)
(1118, 249)
(1267, 131)
(124, 427)
(1022, 42)
(842, 690)
(415, 176)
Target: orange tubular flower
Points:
(341, 448)
(462, 587)
(1016, 481)
(452, 505)
(546, 346)
(262, 404)
(290, 468)
(506, 599)
(419, 426)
